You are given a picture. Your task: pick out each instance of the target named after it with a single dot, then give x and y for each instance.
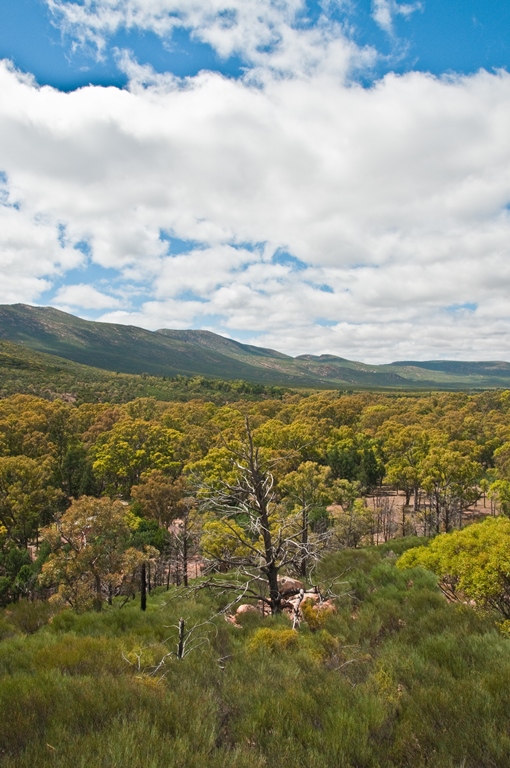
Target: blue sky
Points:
(458, 36)
(314, 176)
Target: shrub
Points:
(29, 616)
(273, 640)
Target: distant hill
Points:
(496, 369)
(132, 350)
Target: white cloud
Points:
(394, 199)
(32, 249)
(384, 12)
(85, 297)
(271, 34)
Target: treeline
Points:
(159, 469)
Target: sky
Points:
(314, 176)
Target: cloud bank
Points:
(291, 207)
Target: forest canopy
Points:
(345, 470)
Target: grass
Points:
(396, 678)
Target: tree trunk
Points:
(180, 645)
(303, 565)
(98, 599)
(274, 590)
(185, 553)
(270, 568)
(438, 514)
(143, 587)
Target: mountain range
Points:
(129, 349)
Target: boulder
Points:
(286, 585)
(246, 608)
(314, 597)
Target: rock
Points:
(313, 596)
(286, 584)
(246, 608)
(327, 605)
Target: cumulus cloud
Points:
(85, 297)
(33, 249)
(308, 213)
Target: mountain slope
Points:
(117, 347)
(24, 371)
(129, 349)
(495, 369)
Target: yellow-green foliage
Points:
(315, 615)
(131, 447)
(273, 640)
(504, 628)
(90, 553)
(474, 561)
(223, 540)
(215, 468)
(81, 656)
(385, 684)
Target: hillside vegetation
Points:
(442, 453)
(24, 371)
(127, 349)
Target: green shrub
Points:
(396, 678)
(29, 616)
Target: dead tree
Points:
(269, 537)
(185, 535)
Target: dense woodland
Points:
(187, 510)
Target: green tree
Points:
(474, 562)
(132, 447)
(159, 495)
(343, 459)
(307, 490)
(16, 569)
(355, 458)
(499, 491)
(91, 559)
(451, 481)
(354, 521)
(405, 448)
(27, 500)
(301, 438)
